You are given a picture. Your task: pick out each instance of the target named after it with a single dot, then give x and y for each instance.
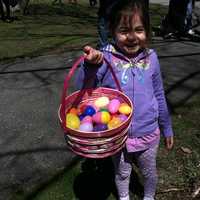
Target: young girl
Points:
(138, 71)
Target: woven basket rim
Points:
(95, 132)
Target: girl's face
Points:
(130, 35)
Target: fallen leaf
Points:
(186, 150)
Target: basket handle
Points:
(74, 67)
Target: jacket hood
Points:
(144, 53)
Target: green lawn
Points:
(48, 27)
(53, 28)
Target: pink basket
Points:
(99, 144)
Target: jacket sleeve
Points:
(89, 75)
(164, 116)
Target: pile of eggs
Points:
(102, 114)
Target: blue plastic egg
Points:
(89, 110)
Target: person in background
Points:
(103, 13)
(93, 3)
(188, 20)
(178, 21)
(138, 70)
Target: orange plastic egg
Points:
(114, 122)
(73, 111)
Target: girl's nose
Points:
(131, 36)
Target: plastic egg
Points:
(125, 109)
(122, 117)
(105, 117)
(97, 117)
(101, 102)
(103, 109)
(100, 127)
(81, 108)
(86, 119)
(81, 117)
(113, 106)
(86, 127)
(101, 117)
(72, 121)
(114, 122)
(73, 111)
(92, 104)
(89, 110)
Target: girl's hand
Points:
(169, 142)
(93, 56)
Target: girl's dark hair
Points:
(128, 7)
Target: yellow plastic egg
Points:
(105, 117)
(101, 102)
(125, 109)
(72, 121)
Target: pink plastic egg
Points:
(86, 127)
(101, 117)
(97, 117)
(113, 106)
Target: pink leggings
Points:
(146, 161)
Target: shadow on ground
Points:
(97, 181)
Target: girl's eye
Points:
(123, 31)
(139, 30)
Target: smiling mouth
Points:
(131, 47)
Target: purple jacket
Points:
(140, 79)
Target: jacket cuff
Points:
(168, 132)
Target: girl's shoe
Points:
(148, 198)
(124, 198)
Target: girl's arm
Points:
(164, 116)
(91, 70)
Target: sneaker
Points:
(170, 36)
(148, 198)
(191, 32)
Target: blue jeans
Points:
(103, 31)
(188, 20)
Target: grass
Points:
(53, 29)
(48, 27)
